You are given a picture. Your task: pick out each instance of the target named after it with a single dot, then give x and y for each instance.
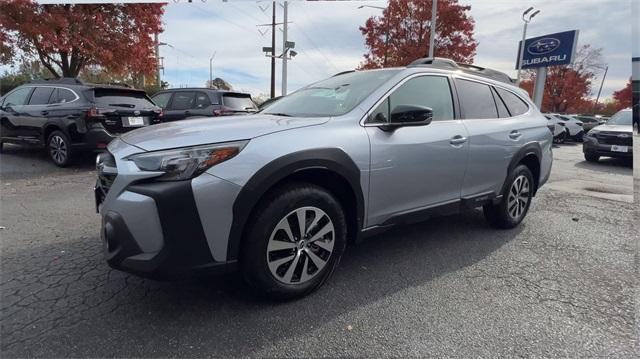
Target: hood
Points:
(207, 130)
(613, 128)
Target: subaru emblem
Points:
(136, 112)
(543, 46)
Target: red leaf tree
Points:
(568, 88)
(67, 38)
(624, 97)
(402, 34)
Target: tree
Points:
(624, 97)
(27, 71)
(401, 34)
(68, 38)
(219, 84)
(568, 87)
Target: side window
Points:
(514, 103)
(476, 100)
(183, 100)
(428, 91)
(202, 100)
(18, 97)
(502, 109)
(62, 95)
(162, 99)
(41, 95)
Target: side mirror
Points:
(409, 115)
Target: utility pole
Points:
(157, 44)
(285, 8)
(432, 38)
(595, 106)
(211, 69)
(273, 50)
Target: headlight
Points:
(188, 162)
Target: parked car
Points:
(67, 116)
(277, 195)
(573, 126)
(613, 139)
(180, 104)
(589, 122)
(557, 128)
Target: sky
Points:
(328, 40)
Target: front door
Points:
(417, 167)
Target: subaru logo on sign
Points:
(543, 46)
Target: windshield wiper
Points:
(278, 114)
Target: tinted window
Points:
(17, 97)
(238, 102)
(332, 97)
(381, 113)
(121, 98)
(202, 100)
(162, 99)
(515, 105)
(621, 118)
(41, 95)
(428, 91)
(502, 109)
(476, 100)
(183, 100)
(61, 95)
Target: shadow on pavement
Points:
(78, 299)
(23, 161)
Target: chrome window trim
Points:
(55, 87)
(392, 89)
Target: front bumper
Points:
(591, 145)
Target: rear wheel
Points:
(59, 148)
(295, 242)
(560, 138)
(516, 199)
(591, 157)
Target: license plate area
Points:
(133, 121)
(617, 148)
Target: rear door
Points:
(36, 112)
(181, 105)
(493, 137)
(121, 109)
(13, 117)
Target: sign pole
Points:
(538, 91)
(521, 53)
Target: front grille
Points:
(615, 138)
(107, 172)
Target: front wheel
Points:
(560, 138)
(516, 199)
(591, 157)
(296, 240)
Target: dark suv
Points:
(179, 104)
(67, 116)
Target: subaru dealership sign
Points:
(549, 50)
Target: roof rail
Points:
(62, 81)
(443, 63)
(343, 72)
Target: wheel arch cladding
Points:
(529, 155)
(329, 168)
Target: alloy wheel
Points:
(518, 197)
(300, 245)
(58, 149)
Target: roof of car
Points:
(70, 81)
(202, 89)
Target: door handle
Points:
(458, 140)
(515, 135)
(44, 113)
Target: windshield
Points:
(334, 96)
(621, 118)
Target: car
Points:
(277, 195)
(185, 103)
(557, 128)
(67, 116)
(589, 122)
(573, 126)
(613, 139)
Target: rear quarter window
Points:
(514, 103)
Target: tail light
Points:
(221, 112)
(93, 113)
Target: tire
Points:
(59, 148)
(560, 138)
(1, 146)
(591, 157)
(268, 254)
(518, 192)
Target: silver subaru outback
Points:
(277, 195)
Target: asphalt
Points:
(564, 283)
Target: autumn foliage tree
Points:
(624, 97)
(402, 34)
(568, 87)
(67, 38)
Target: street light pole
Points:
(432, 37)
(595, 106)
(211, 69)
(526, 20)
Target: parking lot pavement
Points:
(561, 284)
